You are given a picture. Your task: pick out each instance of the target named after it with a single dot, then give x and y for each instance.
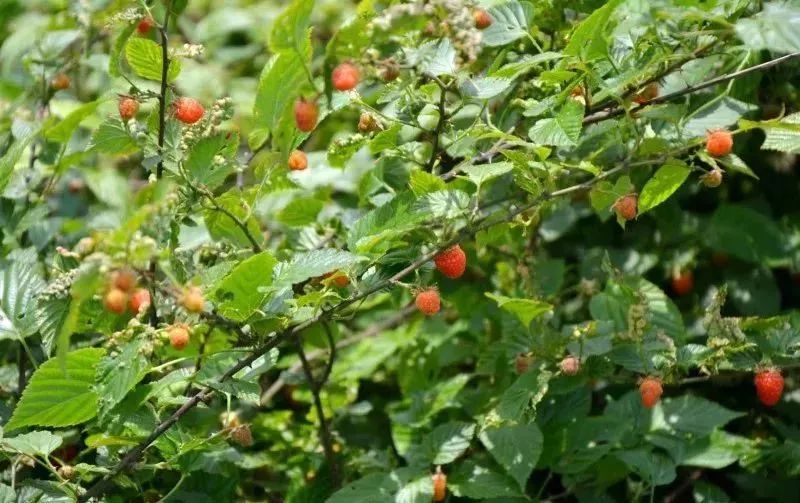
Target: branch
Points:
(162, 97)
(236, 220)
(439, 125)
(616, 111)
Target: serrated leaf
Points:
(527, 391)
(481, 173)
(222, 227)
(561, 131)
(734, 163)
(663, 184)
(422, 182)
(241, 293)
(783, 139)
(719, 115)
(112, 138)
(278, 87)
(745, 234)
(114, 60)
(117, 374)
(62, 131)
(10, 157)
(693, 414)
(435, 58)
(20, 282)
(60, 393)
(517, 448)
(447, 442)
(471, 480)
(200, 164)
(483, 88)
(300, 211)
(446, 203)
(588, 41)
(146, 59)
(312, 264)
(774, 28)
(526, 310)
(510, 22)
(655, 468)
(35, 443)
(290, 28)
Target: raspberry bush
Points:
(408, 250)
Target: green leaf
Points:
(114, 60)
(278, 87)
(718, 115)
(435, 58)
(10, 157)
(783, 136)
(526, 310)
(588, 41)
(696, 415)
(62, 131)
(663, 184)
(222, 227)
(510, 22)
(145, 58)
(734, 163)
(383, 487)
(527, 391)
(376, 230)
(447, 442)
(422, 182)
(20, 282)
(201, 166)
(771, 29)
(113, 138)
(471, 480)
(60, 395)
(482, 173)
(117, 374)
(483, 88)
(35, 443)
(745, 234)
(517, 448)
(290, 28)
(241, 293)
(300, 211)
(7, 495)
(312, 264)
(561, 131)
(717, 451)
(654, 468)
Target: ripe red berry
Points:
(719, 143)
(482, 19)
(144, 26)
(345, 76)
(178, 336)
(648, 93)
(140, 299)
(305, 115)
(428, 301)
(570, 365)
(192, 299)
(297, 160)
(522, 363)
(123, 279)
(127, 108)
(650, 389)
(452, 262)
(769, 386)
(627, 206)
(712, 179)
(188, 110)
(340, 279)
(683, 283)
(60, 82)
(115, 301)
(439, 484)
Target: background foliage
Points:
(514, 141)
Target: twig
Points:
(616, 111)
(439, 125)
(686, 484)
(162, 97)
(236, 220)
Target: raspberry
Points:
(305, 115)
(712, 179)
(60, 82)
(683, 283)
(230, 420)
(428, 302)
(124, 279)
(144, 26)
(452, 262)
(389, 71)
(367, 123)
(67, 472)
(522, 363)
(242, 435)
(570, 365)
(651, 390)
(648, 93)
(345, 77)
(297, 160)
(127, 108)
(140, 300)
(188, 110)
(769, 386)
(192, 299)
(719, 143)
(626, 206)
(482, 19)
(76, 185)
(337, 278)
(178, 336)
(439, 484)
(115, 301)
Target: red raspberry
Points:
(345, 76)
(769, 386)
(144, 26)
(140, 299)
(648, 93)
(297, 160)
(124, 279)
(188, 110)
(719, 143)
(627, 206)
(712, 179)
(336, 278)
(439, 484)
(651, 390)
(452, 262)
(127, 108)
(192, 299)
(482, 19)
(428, 302)
(570, 365)
(60, 82)
(115, 301)
(683, 283)
(522, 363)
(305, 115)
(178, 336)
